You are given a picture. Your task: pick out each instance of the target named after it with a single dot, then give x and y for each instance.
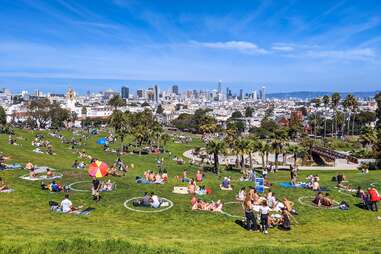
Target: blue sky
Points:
(288, 45)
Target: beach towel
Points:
(290, 185)
(180, 190)
(41, 178)
(7, 191)
(226, 189)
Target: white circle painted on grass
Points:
(302, 200)
(158, 210)
(78, 190)
(231, 215)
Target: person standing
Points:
(264, 211)
(374, 197)
(251, 222)
(95, 189)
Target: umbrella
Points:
(98, 169)
(101, 141)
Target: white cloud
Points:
(242, 46)
(350, 54)
(283, 48)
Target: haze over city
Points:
(285, 45)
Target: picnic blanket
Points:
(7, 191)
(180, 190)
(41, 178)
(290, 185)
(141, 180)
(13, 166)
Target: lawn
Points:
(27, 225)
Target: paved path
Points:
(257, 161)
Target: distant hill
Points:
(311, 95)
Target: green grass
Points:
(27, 225)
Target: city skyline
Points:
(285, 45)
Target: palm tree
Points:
(335, 99)
(264, 148)
(119, 122)
(295, 150)
(242, 147)
(279, 137)
(326, 101)
(215, 147)
(116, 101)
(165, 138)
(253, 147)
(346, 105)
(317, 106)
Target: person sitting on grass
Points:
(55, 187)
(289, 206)
(49, 173)
(315, 185)
(199, 176)
(165, 176)
(241, 194)
(3, 185)
(112, 171)
(192, 187)
(66, 205)
(106, 186)
(75, 164)
(285, 221)
(155, 202)
(318, 198)
(225, 185)
(326, 201)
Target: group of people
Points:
(148, 200)
(97, 187)
(258, 208)
(322, 200)
(53, 187)
(370, 198)
(154, 178)
(200, 205)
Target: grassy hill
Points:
(27, 225)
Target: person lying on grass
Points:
(3, 185)
(49, 173)
(32, 173)
(53, 187)
(226, 185)
(200, 205)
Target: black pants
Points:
(251, 222)
(264, 221)
(373, 206)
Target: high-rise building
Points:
(219, 91)
(240, 94)
(125, 92)
(254, 95)
(175, 89)
(140, 93)
(263, 97)
(156, 94)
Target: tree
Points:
(377, 146)
(242, 147)
(215, 147)
(159, 109)
(249, 112)
(295, 150)
(58, 116)
(278, 140)
(264, 148)
(116, 101)
(119, 121)
(335, 100)
(39, 112)
(3, 116)
(253, 147)
(326, 101)
(165, 138)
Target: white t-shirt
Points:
(66, 205)
(155, 201)
(271, 201)
(264, 210)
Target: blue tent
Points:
(102, 141)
